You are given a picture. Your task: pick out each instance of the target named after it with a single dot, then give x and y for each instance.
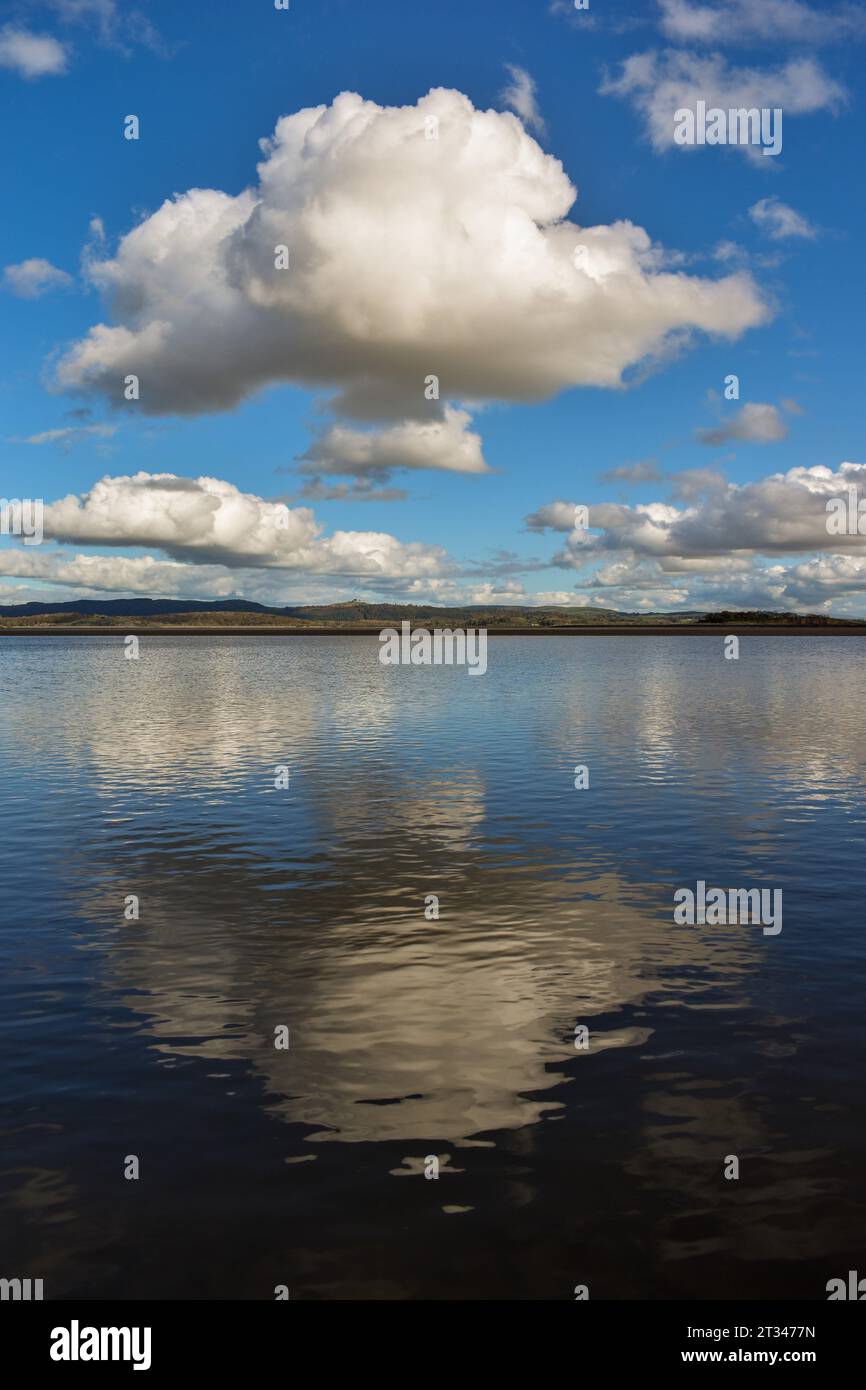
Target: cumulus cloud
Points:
(408, 257)
(520, 96)
(729, 546)
(817, 581)
(785, 513)
(779, 220)
(745, 21)
(208, 521)
(445, 444)
(141, 574)
(660, 84)
(29, 279)
(757, 423)
(31, 55)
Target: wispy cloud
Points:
(359, 490)
(117, 26)
(658, 84)
(68, 435)
(520, 95)
(750, 21)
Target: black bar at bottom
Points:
(265, 1339)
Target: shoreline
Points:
(588, 630)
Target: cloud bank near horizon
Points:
(718, 544)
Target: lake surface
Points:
(303, 907)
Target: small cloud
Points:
(644, 472)
(94, 249)
(30, 279)
(445, 444)
(519, 94)
(779, 220)
(755, 424)
(31, 55)
(793, 407)
(736, 257)
(554, 516)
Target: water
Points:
(305, 908)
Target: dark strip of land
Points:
(147, 629)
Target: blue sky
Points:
(547, 398)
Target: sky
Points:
(426, 303)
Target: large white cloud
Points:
(209, 521)
(408, 256)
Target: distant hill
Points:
(134, 607)
(357, 613)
